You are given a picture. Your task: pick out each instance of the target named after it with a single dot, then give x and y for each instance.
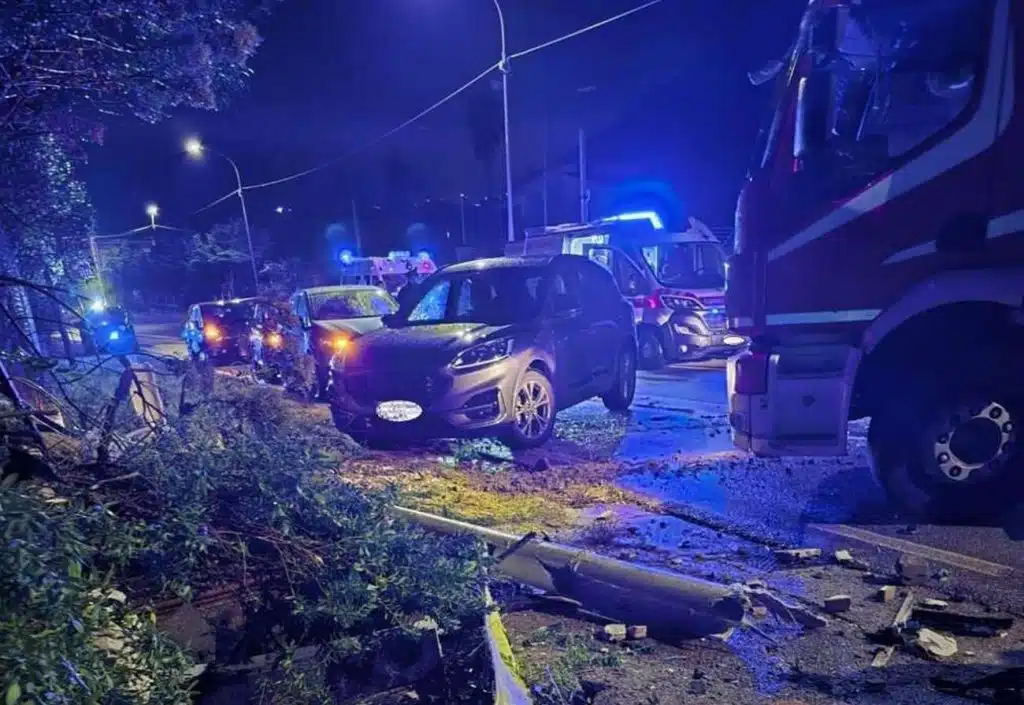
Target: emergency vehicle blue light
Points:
(650, 216)
(346, 256)
(114, 335)
(98, 306)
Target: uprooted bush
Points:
(243, 492)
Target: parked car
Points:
(219, 330)
(107, 330)
(492, 347)
(274, 332)
(329, 318)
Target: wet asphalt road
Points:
(679, 428)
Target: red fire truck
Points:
(879, 258)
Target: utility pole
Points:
(95, 251)
(355, 228)
(462, 216)
(544, 176)
(584, 193)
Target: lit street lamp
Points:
(196, 149)
(152, 210)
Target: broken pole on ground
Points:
(673, 605)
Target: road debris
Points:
(636, 631)
(962, 624)
(934, 645)
(846, 560)
(785, 611)
(886, 593)
(1007, 686)
(796, 555)
(613, 632)
(838, 603)
(912, 570)
(882, 656)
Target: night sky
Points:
(662, 95)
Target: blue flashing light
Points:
(346, 256)
(98, 306)
(114, 335)
(650, 216)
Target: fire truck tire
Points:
(915, 451)
(620, 396)
(652, 351)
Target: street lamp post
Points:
(152, 210)
(196, 149)
(503, 67)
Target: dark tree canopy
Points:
(66, 63)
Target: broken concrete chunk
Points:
(838, 603)
(912, 570)
(636, 631)
(886, 593)
(846, 559)
(934, 645)
(613, 632)
(795, 555)
(842, 556)
(934, 604)
(882, 656)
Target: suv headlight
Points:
(483, 354)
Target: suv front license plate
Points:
(399, 411)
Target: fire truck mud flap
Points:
(791, 401)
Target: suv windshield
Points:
(495, 296)
(687, 265)
(364, 303)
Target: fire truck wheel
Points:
(620, 396)
(951, 456)
(652, 352)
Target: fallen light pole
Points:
(671, 605)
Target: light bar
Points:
(650, 216)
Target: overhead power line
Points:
(426, 111)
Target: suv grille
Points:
(368, 389)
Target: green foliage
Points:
(45, 210)
(245, 489)
(66, 635)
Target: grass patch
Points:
(453, 495)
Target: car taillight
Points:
(212, 332)
(752, 373)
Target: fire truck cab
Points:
(879, 257)
(675, 281)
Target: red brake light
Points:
(653, 301)
(752, 373)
